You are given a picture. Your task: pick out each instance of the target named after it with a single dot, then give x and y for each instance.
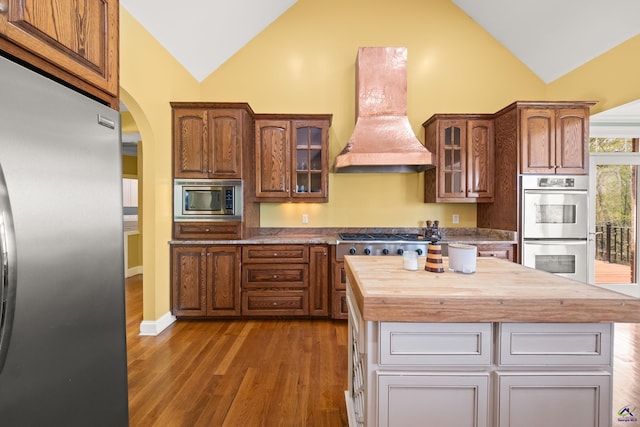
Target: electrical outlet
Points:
(305, 219)
(455, 219)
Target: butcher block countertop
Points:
(499, 291)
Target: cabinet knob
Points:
(207, 230)
(274, 304)
(4, 7)
(275, 276)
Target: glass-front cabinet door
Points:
(310, 170)
(453, 152)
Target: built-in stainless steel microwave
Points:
(207, 200)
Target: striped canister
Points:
(434, 259)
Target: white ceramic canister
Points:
(462, 258)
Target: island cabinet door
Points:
(554, 399)
(452, 399)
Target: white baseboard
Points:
(133, 271)
(154, 327)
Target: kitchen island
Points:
(505, 346)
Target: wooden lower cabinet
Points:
(319, 281)
(479, 374)
(205, 281)
(250, 280)
(339, 308)
(285, 280)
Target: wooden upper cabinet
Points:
(273, 158)
(480, 159)
(190, 149)
(572, 140)
(310, 160)
(464, 148)
(225, 133)
(75, 40)
(207, 142)
(554, 140)
(292, 158)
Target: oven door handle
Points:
(564, 192)
(543, 242)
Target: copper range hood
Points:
(382, 140)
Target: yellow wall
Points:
(130, 166)
(128, 123)
(134, 250)
(611, 79)
(305, 63)
(149, 79)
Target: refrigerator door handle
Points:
(8, 279)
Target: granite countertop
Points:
(329, 236)
(499, 291)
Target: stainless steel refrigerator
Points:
(62, 318)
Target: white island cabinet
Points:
(507, 346)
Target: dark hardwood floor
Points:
(272, 372)
(236, 373)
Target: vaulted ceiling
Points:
(551, 37)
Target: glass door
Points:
(613, 231)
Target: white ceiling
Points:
(551, 37)
(203, 34)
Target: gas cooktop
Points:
(367, 237)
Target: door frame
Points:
(597, 159)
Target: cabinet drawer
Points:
(275, 303)
(275, 253)
(496, 251)
(207, 230)
(555, 344)
(275, 276)
(435, 343)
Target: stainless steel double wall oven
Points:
(555, 224)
